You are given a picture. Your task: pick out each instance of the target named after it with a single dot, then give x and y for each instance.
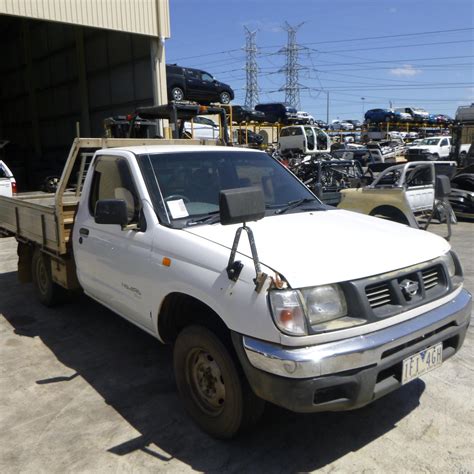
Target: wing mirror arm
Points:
(239, 206)
(234, 267)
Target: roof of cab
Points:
(149, 149)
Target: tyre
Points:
(311, 122)
(435, 157)
(177, 93)
(462, 158)
(224, 97)
(212, 386)
(48, 292)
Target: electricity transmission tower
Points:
(291, 50)
(251, 69)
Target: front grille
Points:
(430, 277)
(378, 295)
(406, 289)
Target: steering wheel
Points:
(174, 197)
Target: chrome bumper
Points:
(361, 351)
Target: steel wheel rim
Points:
(225, 98)
(42, 277)
(206, 381)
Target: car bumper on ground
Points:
(351, 373)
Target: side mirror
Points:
(241, 205)
(111, 211)
(442, 186)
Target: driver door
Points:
(419, 185)
(113, 263)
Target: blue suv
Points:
(381, 115)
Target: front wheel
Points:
(224, 98)
(215, 393)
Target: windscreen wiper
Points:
(209, 218)
(294, 204)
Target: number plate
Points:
(422, 362)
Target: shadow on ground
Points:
(132, 372)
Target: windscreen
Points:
(187, 184)
(430, 141)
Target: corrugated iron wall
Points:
(146, 17)
(40, 88)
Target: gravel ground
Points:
(83, 390)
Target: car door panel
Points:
(113, 264)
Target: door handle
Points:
(83, 231)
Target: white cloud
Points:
(265, 25)
(405, 70)
(392, 10)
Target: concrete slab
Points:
(83, 390)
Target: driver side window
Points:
(112, 179)
(206, 77)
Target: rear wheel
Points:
(48, 292)
(214, 391)
(177, 93)
(224, 97)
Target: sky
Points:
(364, 54)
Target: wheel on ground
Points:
(435, 157)
(224, 97)
(48, 292)
(177, 93)
(214, 390)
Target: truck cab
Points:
(303, 139)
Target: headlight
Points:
(323, 308)
(450, 265)
(324, 303)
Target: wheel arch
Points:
(392, 213)
(179, 310)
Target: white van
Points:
(304, 139)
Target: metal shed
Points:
(69, 61)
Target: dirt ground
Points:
(83, 390)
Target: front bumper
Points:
(351, 373)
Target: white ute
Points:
(201, 247)
(437, 147)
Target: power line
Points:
(421, 33)
(394, 46)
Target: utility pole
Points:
(363, 106)
(251, 69)
(292, 86)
